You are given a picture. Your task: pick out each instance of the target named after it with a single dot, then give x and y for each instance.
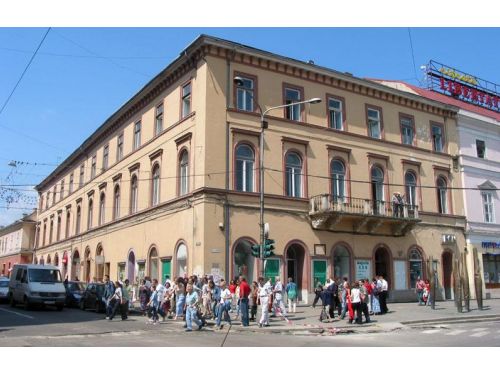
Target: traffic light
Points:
(256, 250)
(268, 248)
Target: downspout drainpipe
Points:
(226, 203)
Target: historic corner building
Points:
(16, 243)
(478, 160)
(169, 184)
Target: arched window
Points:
(153, 263)
(183, 173)
(133, 194)
(155, 191)
(293, 175)
(243, 260)
(91, 213)
(49, 259)
(337, 170)
(245, 161)
(102, 213)
(68, 224)
(442, 195)
(411, 188)
(78, 219)
(181, 260)
(342, 262)
(415, 264)
(116, 202)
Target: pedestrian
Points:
(382, 283)
(291, 293)
(160, 290)
(215, 299)
(153, 304)
(375, 297)
(345, 292)
(419, 289)
(167, 301)
(265, 291)
(317, 292)
(124, 306)
(130, 291)
(109, 290)
(237, 297)
(363, 305)
(279, 305)
(180, 298)
(340, 290)
(116, 300)
(192, 303)
(244, 294)
(368, 301)
(232, 289)
(426, 295)
(206, 295)
(252, 301)
(144, 295)
(224, 306)
(356, 303)
(331, 298)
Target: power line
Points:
(413, 57)
(25, 70)
(100, 56)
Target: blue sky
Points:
(82, 75)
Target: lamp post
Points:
(263, 125)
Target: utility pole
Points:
(465, 280)
(457, 280)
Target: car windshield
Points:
(4, 283)
(75, 287)
(44, 276)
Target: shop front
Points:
(491, 263)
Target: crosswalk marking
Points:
(456, 332)
(431, 331)
(479, 334)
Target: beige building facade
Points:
(169, 184)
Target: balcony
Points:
(362, 216)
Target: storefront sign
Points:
(490, 245)
(363, 269)
(462, 86)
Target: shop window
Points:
(415, 264)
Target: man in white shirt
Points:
(384, 287)
(265, 291)
(279, 305)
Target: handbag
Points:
(323, 315)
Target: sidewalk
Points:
(306, 319)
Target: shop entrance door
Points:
(166, 270)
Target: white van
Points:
(36, 284)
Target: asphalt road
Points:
(72, 327)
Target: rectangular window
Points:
(105, 157)
(71, 178)
(93, 167)
(374, 123)
(245, 95)
(159, 119)
(335, 114)
(488, 208)
(186, 100)
(480, 148)
(54, 196)
(137, 135)
(119, 147)
(437, 138)
(61, 192)
(82, 175)
(407, 130)
(292, 112)
(47, 200)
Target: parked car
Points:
(32, 284)
(74, 292)
(92, 298)
(4, 289)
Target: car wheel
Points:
(12, 300)
(27, 304)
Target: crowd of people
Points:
(198, 299)
(354, 299)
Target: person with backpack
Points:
(291, 292)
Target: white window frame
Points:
(186, 92)
(291, 111)
(137, 135)
(371, 120)
(159, 119)
(488, 207)
(336, 112)
(247, 95)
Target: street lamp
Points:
(263, 125)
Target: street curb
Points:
(453, 319)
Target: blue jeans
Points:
(420, 294)
(179, 308)
(244, 312)
(192, 317)
(224, 309)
